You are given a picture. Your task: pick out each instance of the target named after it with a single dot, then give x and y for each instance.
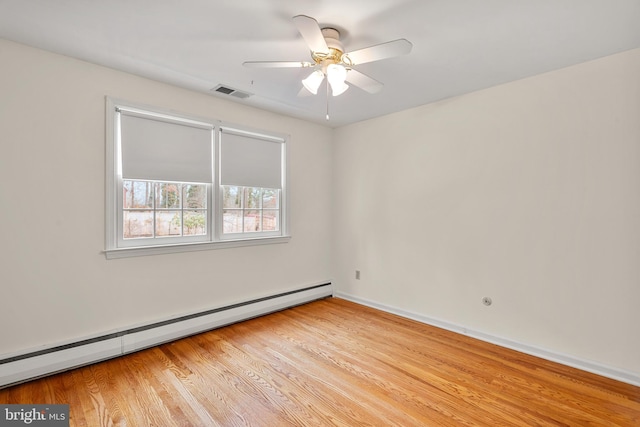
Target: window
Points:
(177, 183)
(163, 209)
(250, 209)
(251, 183)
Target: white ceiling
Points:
(459, 46)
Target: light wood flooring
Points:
(332, 362)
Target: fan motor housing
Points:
(336, 50)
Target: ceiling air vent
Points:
(226, 90)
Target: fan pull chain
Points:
(327, 116)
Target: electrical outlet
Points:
(357, 274)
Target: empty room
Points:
(270, 213)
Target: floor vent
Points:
(226, 90)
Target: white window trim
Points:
(191, 247)
(217, 240)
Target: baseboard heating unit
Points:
(22, 367)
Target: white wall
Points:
(527, 192)
(56, 284)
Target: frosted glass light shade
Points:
(338, 89)
(336, 74)
(312, 82)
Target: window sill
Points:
(191, 247)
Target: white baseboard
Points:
(18, 368)
(60, 360)
(135, 341)
(585, 365)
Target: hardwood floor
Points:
(332, 362)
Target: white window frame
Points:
(117, 247)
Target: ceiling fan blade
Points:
(363, 81)
(277, 64)
(311, 33)
(378, 52)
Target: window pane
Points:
(195, 223)
(270, 220)
(167, 195)
(168, 223)
(232, 221)
(232, 197)
(138, 194)
(137, 224)
(195, 196)
(270, 198)
(252, 221)
(252, 198)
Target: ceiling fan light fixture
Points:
(312, 82)
(336, 75)
(331, 60)
(339, 89)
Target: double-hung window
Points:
(250, 178)
(178, 183)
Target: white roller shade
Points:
(155, 148)
(250, 161)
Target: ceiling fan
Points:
(331, 60)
